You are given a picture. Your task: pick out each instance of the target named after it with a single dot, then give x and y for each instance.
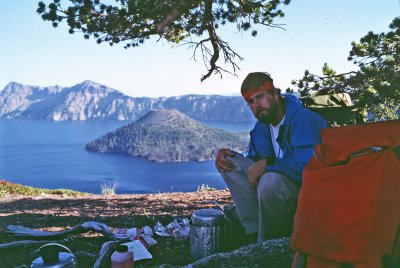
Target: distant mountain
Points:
(92, 101)
(168, 136)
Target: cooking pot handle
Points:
(49, 252)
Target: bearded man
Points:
(265, 184)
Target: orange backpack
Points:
(348, 212)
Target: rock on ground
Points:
(273, 253)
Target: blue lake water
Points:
(52, 155)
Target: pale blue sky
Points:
(317, 31)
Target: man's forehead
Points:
(257, 93)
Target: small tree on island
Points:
(375, 86)
(190, 22)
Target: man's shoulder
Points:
(303, 114)
(258, 126)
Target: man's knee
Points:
(241, 164)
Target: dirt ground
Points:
(57, 213)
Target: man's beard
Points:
(267, 116)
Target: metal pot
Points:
(206, 232)
(54, 255)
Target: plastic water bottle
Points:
(122, 258)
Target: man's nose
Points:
(256, 103)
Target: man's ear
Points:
(277, 93)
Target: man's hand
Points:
(221, 161)
(256, 171)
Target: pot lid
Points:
(54, 255)
(207, 217)
(64, 260)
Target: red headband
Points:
(250, 92)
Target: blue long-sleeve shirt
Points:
(298, 136)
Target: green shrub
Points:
(7, 188)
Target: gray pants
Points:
(269, 209)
